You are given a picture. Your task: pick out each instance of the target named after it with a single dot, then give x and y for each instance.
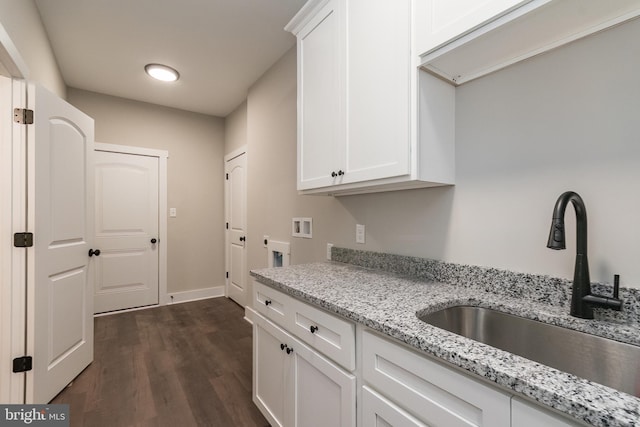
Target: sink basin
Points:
(601, 360)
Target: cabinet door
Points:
(321, 98)
(441, 21)
(379, 412)
(525, 414)
(269, 369)
(379, 77)
(323, 394)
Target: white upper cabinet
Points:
(444, 20)
(379, 97)
(461, 40)
(359, 113)
(321, 97)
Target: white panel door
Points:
(60, 214)
(236, 213)
(126, 231)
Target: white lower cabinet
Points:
(434, 394)
(295, 385)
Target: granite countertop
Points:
(388, 302)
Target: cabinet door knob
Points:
(283, 346)
(333, 174)
(340, 173)
(267, 302)
(242, 239)
(289, 350)
(94, 252)
(154, 241)
(313, 329)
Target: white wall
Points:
(564, 120)
(195, 143)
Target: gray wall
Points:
(564, 120)
(195, 143)
(21, 21)
(235, 129)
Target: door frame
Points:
(13, 198)
(228, 157)
(162, 156)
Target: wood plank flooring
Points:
(178, 365)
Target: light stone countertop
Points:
(388, 303)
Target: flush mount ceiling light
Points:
(162, 72)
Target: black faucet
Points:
(582, 301)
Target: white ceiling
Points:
(220, 47)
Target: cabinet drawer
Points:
(379, 412)
(432, 392)
(271, 303)
(330, 335)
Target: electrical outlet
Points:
(173, 212)
(329, 246)
(359, 233)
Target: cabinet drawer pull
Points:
(267, 302)
(313, 329)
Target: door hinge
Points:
(23, 116)
(227, 274)
(23, 240)
(22, 364)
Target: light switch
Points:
(173, 212)
(359, 233)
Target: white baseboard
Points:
(194, 295)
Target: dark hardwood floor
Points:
(178, 365)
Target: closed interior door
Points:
(60, 215)
(126, 231)
(236, 212)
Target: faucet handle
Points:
(616, 285)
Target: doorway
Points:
(130, 227)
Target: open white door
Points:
(236, 213)
(60, 216)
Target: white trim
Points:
(126, 149)
(13, 206)
(196, 294)
(162, 156)
(11, 62)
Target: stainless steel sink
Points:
(601, 360)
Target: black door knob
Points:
(340, 173)
(267, 302)
(153, 241)
(289, 350)
(333, 174)
(283, 346)
(94, 252)
(313, 329)
(242, 239)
